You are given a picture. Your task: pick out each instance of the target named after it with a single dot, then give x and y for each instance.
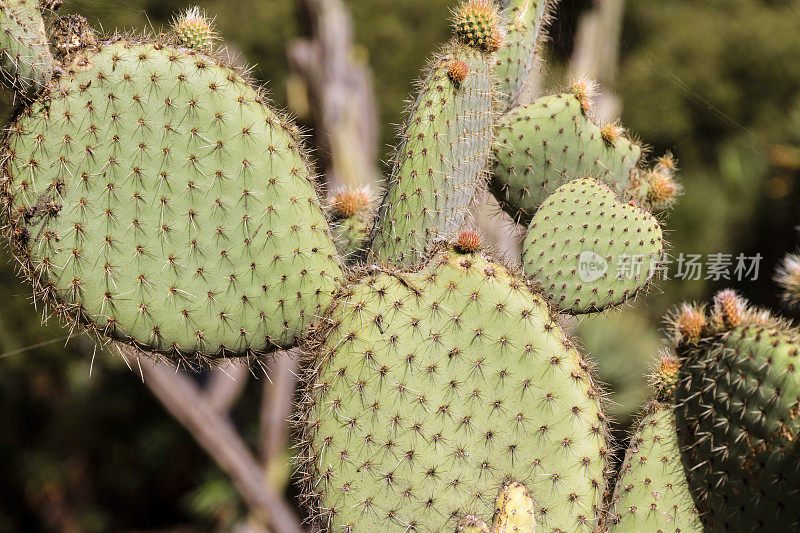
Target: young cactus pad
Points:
(154, 196)
(25, 59)
(652, 493)
(430, 389)
(737, 416)
(588, 250)
(445, 146)
(543, 145)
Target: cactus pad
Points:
(525, 26)
(440, 161)
(738, 399)
(652, 493)
(430, 389)
(589, 250)
(25, 59)
(543, 145)
(154, 196)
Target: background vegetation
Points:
(86, 448)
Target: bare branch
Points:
(596, 52)
(226, 383)
(217, 435)
(276, 403)
(341, 96)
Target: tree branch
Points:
(276, 403)
(340, 92)
(217, 435)
(225, 386)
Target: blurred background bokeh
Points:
(86, 447)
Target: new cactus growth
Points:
(195, 30)
(589, 250)
(543, 145)
(25, 60)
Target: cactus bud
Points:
(788, 277)
(478, 25)
(662, 189)
(665, 377)
(349, 202)
(689, 324)
(728, 310)
(468, 242)
(457, 71)
(584, 89)
(667, 163)
(194, 29)
(611, 132)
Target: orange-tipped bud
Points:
(665, 377)
(584, 90)
(468, 242)
(689, 324)
(662, 189)
(349, 202)
(728, 309)
(611, 132)
(457, 71)
(667, 163)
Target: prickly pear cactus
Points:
(155, 197)
(526, 24)
(25, 60)
(427, 390)
(445, 145)
(590, 251)
(543, 145)
(737, 400)
(652, 492)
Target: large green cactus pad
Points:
(25, 59)
(154, 196)
(738, 400)
(652, 492)
(590, 251)
(432, 388)
(543, 145)
(445, 146)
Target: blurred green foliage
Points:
(716, 82)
